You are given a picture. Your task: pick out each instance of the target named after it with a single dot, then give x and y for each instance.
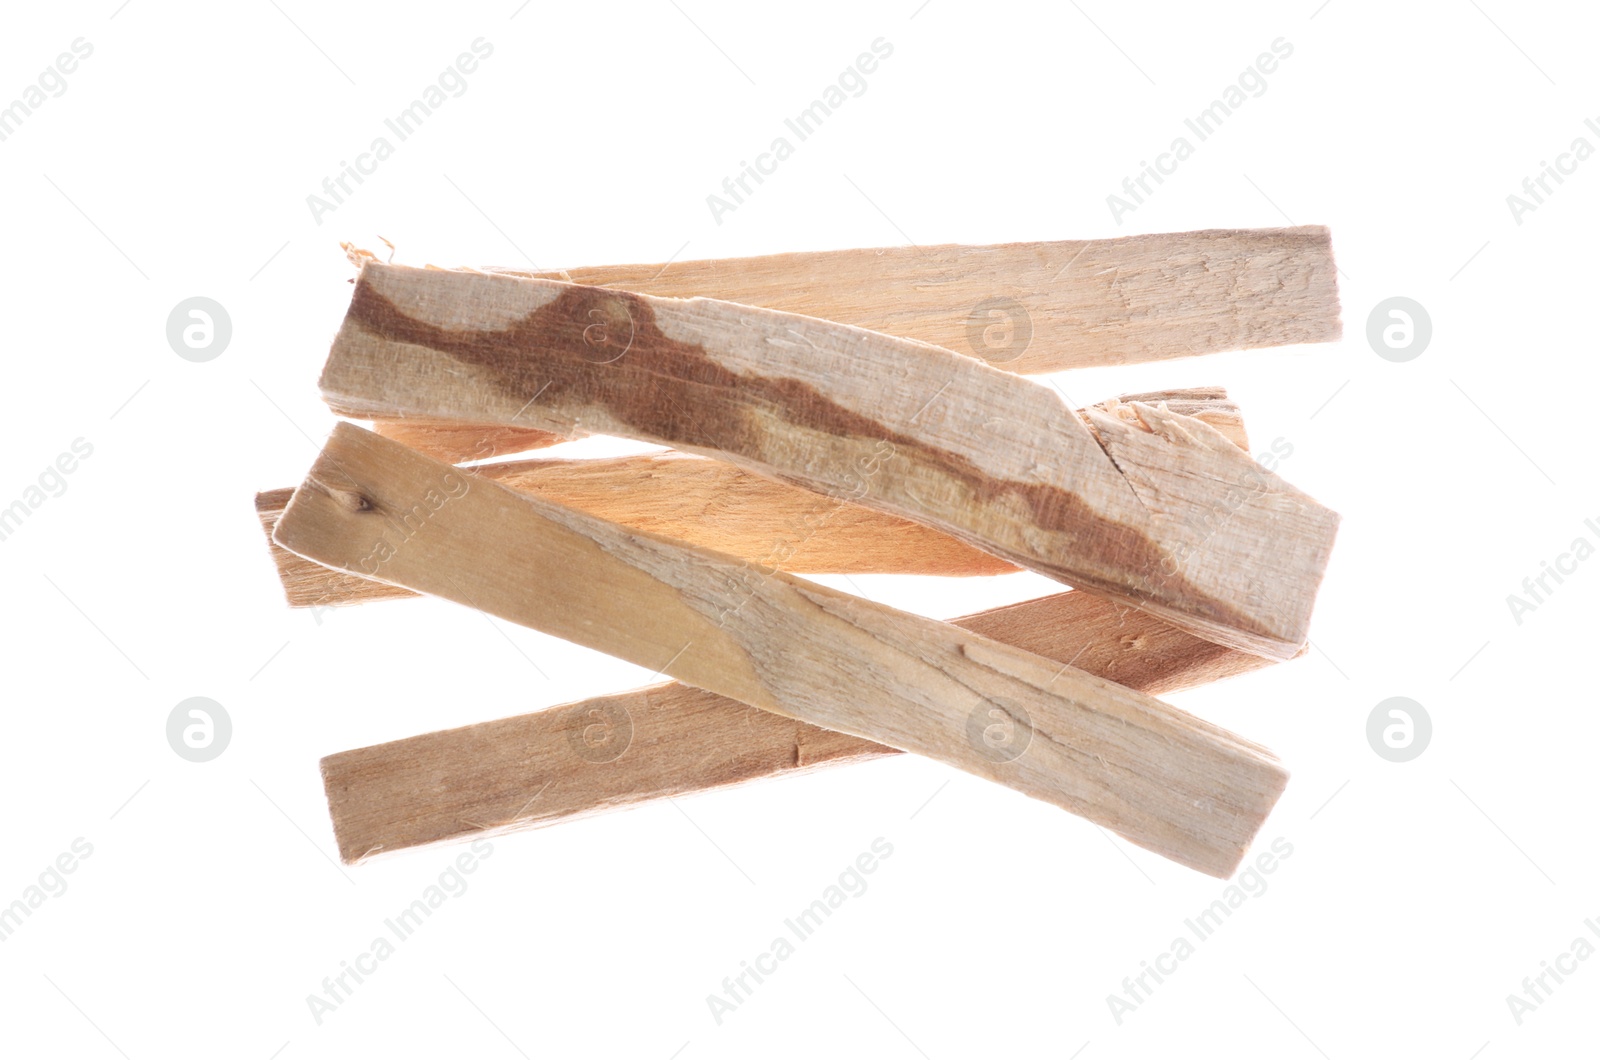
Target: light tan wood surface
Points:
(669, 740)
(1143, 504)
(1039, 307)
(1161, 778)
(723, 507)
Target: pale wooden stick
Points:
(723, 507)
(1153, 508)
(1166, 780)
(612, 752)
(1040, 307)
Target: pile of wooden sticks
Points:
(886, 430)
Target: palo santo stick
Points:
(1040, 307)
(612, 752)
(461, 442)
(719, 506)
(1026, 307)
(1153, 508)
(702, 502)
(1165, 780)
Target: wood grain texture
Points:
(459, 443)
(701, 502)
(670, 740)
(723, 507)
(1039, 307)
(462, 442)
(1145, 505)
(1163, 779)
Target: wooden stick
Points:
(612, 752)
(1166, 780)
(722, 507)
(702, 502)
(461, 442)
(1155, 509)
(1025, 307)
(1039, 307)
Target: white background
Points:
(178, 162)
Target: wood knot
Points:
(349, 500)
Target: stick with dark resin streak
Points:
(1024, 307)
(1165, 780)
(720, 506)
(1149, 507)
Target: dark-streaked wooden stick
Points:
(1025, 307)
(724, 507)
(1153, 508)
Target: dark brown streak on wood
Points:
(560, 350)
